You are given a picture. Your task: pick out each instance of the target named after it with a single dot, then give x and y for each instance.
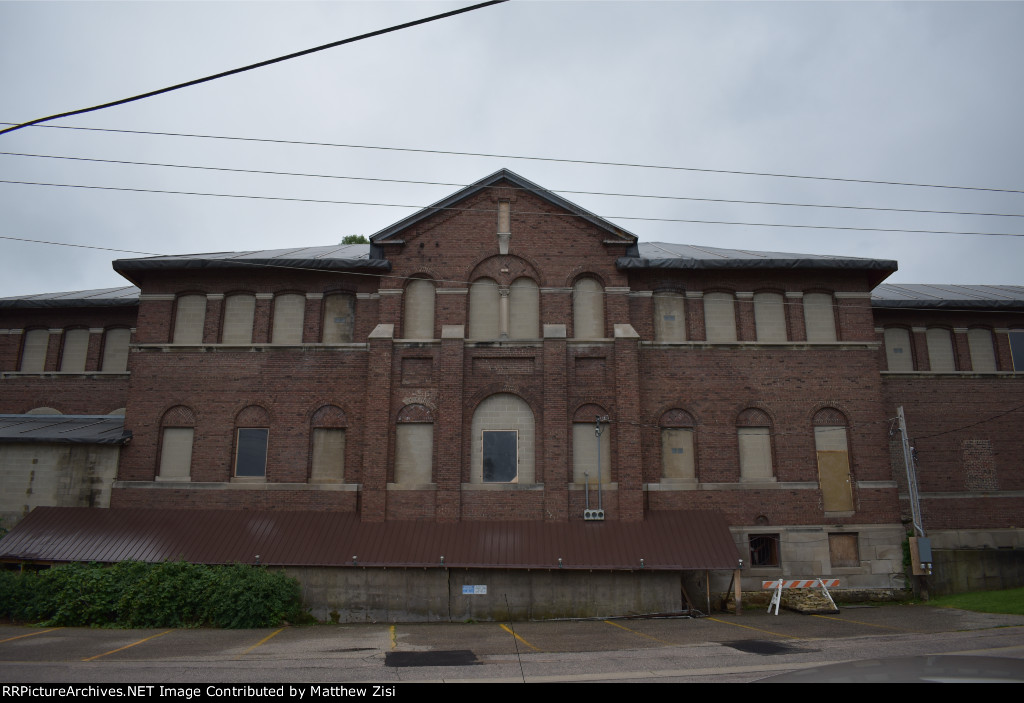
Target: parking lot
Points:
(722, 647)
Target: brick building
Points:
(456, 369)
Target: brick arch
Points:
(490, 266)
(415, 412)
(178, 416)
(829, 417)
(676, 417)
(329, 416)
(753, 417)
(500, 387)
(253, 416)
(588, 411)
(422, 274)
(581, 271)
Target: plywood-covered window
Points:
(833, 455)
(940, 349)
(75, 351)
(239, 312)
(585, 446)
(843, 549)
(328, 459)
(770, 317)
(418, 313)
(524, 309)
(483, 309)
(983, 353)
(339, 318)
(898, 354)
(720, 317)
(414, 446)
(819, 317)
(115, 349)
(177, 433)
(755, 445)
(669, 317)
(289, 315)
(503, 441)
(677, 455)
(189, 319)
(33, 350)
(588, 309)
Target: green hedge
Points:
(134, 594)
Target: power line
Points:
(466, 185)
(518, 213)
(533, 158)
(250, 67)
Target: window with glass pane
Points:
(501, 456)
(251, 453)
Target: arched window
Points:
(239, 312)
(524, 309)
(44, 410)
(719, 317)
(588, 309)
(819, 317)
(983, 353)
(252, 435)
(328, 462)
(177, 430)
(585, 444)
(115, 349)
(289, 316)
(669, 317)
(75, 351)
(418, 317)
(503, 441)
(339, 318)
(770, 317)
(33, 350)
(940, 349)
(677, 456)
(899, 355)
(833, 460)
(483, 309)
(754, 429)
(414, 446)
(189, 319)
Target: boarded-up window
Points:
(940, 349)
(483, 309)
(76, 348)
(524, 309)
(33, 351)
(770, 317)
(418, 317)
(251, 452)
(414, 453)
(833, 460)
(328, 455)
(898, 354)
(339, 318)
(176, 453)
(584, 453)
(755, 453)
(115, 349)
(677, 453)
(189, 318)
(503, 441)
(504, 216)
(289, 314)
(669, 317)
(983, 355)
(239, 311)
(588, 309)
(819, 317)
(843, 549)
(719, 317)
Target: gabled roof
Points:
(103, 297)
(63, 429)
(338, 257)
(929, 295)
(661, 255)
(495, 180)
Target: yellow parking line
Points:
(639, 633)
(394, 642)
(272, 634)
(507, 629)
(869, 624)
(758, 629)
(161, 634)
(31, 634)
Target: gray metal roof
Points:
(63, 429)
(666, 540)
(103, 297)
(928, 295)
(662, 255)
(338, 257)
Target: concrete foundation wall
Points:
(966, 570)
(431, 595)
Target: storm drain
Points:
(765, 647)
(451, 657)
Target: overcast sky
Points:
(914, 92)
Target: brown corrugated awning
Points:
(674, 540)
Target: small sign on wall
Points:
(474, 590)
